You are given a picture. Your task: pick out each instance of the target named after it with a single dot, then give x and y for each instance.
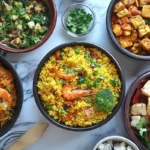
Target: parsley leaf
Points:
(143, 122)
(78, 21)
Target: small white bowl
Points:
(117, 139)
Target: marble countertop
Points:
(56, 138)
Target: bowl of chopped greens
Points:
(78, 20)
(25, 25)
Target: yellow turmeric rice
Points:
(69, 81)
(7, 95)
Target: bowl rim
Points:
(74, 34)
(20, 88)
(42, 41)
(113, 38)
(117, 138)
(128, 97)
(51, 119)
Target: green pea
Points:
(89, 100)
(49, 107)
(95, 73)
(63, 112)
(62, 54)
(77, 51)
(90, 84)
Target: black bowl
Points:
(113, 38)
(60, 124)
(127, 108)
(9, 124)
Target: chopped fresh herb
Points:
(78, 21)
(114, 82)
(62, 81)
(102, 77)
(95, 73)
(81, 80)
(49, 107)
(89, 100)
(25, 2)
(62, 54)
(77, 51)
(63, 112)
(142, 123)
(147, 21)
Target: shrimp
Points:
(61, 75)
(70, 94)
(6, 97)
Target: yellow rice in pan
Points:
(70, 60)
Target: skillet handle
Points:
(3, 53)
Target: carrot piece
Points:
(57, 55)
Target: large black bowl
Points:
(60, 124)
(113, 38)
(9, 124)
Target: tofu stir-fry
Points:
(131, 25)
(23, 23)
(140, 112)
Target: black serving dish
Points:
(9, 124)
(127, 108)
(113, 38)
(60, 124)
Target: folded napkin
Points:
(29, 137)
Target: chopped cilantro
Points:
(78, 21)
(114, 82)
(81, 80)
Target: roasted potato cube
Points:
(126, 33)
(143, 2)
(123, 13)
(145, 43)
(125, 20)
(125, 41)
(119, 6)
(137, 21)
(146, 11)
(126, 27)
(146, 89)
(134, 35)
(128, 2)
(117, 29)
(143, 30)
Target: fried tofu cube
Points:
(143, 2)
(134, 35)
(146, 11)
(125, 41)
(117, 29)
(143, 30)
(139, 109)
(146, 89)
(119, 6)
(123, 13)
(148, 107)
(135, 120)
(126, 33)
(137, 21)
(128, 2)
(145, 43)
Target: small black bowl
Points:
(113, 38)
(127, 108)
(19, 91)
(60, 124)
